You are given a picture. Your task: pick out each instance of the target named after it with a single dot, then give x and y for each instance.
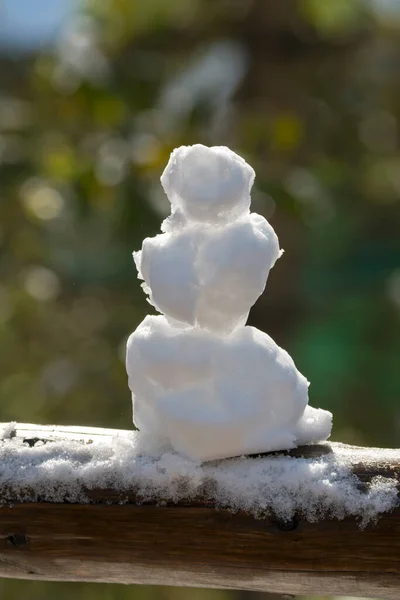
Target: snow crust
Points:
(202, 381)
(276, 484)
(7, 430)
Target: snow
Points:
(207, 393)
(209, 185)
(202, 382)
(7, 430)
(277, 485)
(208, 276)
(212, 262)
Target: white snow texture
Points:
(203, 383)
(283, 486)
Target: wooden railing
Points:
(192, 544)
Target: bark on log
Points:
(195, 545)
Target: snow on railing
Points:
(86, 504)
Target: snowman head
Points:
(209, 185)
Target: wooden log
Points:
(191, 544)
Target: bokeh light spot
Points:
(41, 283)
(40, 200)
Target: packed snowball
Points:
(203, 383)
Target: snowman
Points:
(203, 383)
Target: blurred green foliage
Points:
(308, 92)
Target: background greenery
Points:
(308, 92)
